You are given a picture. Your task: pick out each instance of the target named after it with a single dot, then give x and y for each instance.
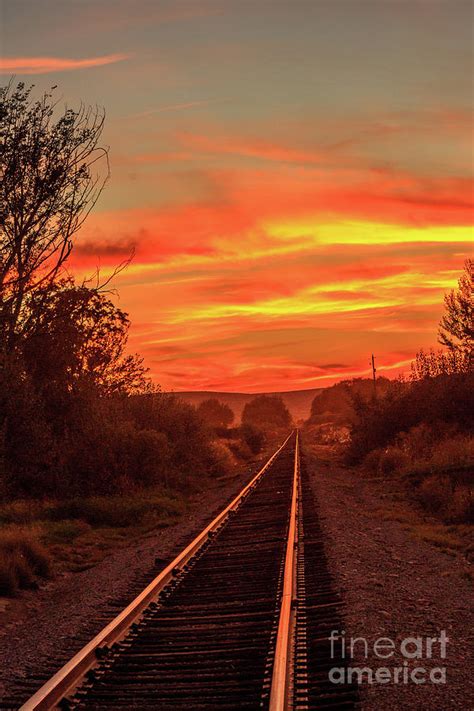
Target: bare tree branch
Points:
(52, 172)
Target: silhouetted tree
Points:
(77, 414)
(253, 437)
(266, 412)
(27, 446)
(433, 363)
(215, 413)
(456, 330)
(446, 399)
(336, 403)
(188, 439)
(75, 335)
(50, 178)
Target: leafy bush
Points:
(223, 459)
(386, 462)
(190, 452)
(253, 437)
(402, 434)
(336, 404)
(97, 445)
(392, 460)
(140, 457)
(239, 449)
(434, 492)
(20, 511)
(461, 508)
(441, 403)
(420, 440)
(9, 579)
(372, 460)
(266, 412)
(27, 446)
(446, 498)
(215, 414)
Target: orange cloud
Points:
(243, 325)
(264, 150)
(250, 274)
(257, 215)
(45, 65)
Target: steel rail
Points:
(71, 674)
(281, 676)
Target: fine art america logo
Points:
(415, 652)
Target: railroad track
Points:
(239, 620)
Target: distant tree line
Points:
(419, 429)
(267, 412)
(215, 413)
(262, 417)
(442, 383)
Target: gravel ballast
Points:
(395, 586)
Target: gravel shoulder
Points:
(49, 625)
(396, 586)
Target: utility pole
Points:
(374, 370)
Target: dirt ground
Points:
(397, 585)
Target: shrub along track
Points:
(240, 619)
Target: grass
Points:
(142, 508)
(23, 559)
(39, 538)
(434, 514)
(117, 511)
(399, 513)
(20, 511)
(449, 538)
(60, 532)
(452, 539)
(436, 469)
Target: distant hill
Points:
(298, 402)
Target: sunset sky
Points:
(294, 176)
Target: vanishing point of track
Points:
(239, 620)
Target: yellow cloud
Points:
(355, 295)
(359, 232)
